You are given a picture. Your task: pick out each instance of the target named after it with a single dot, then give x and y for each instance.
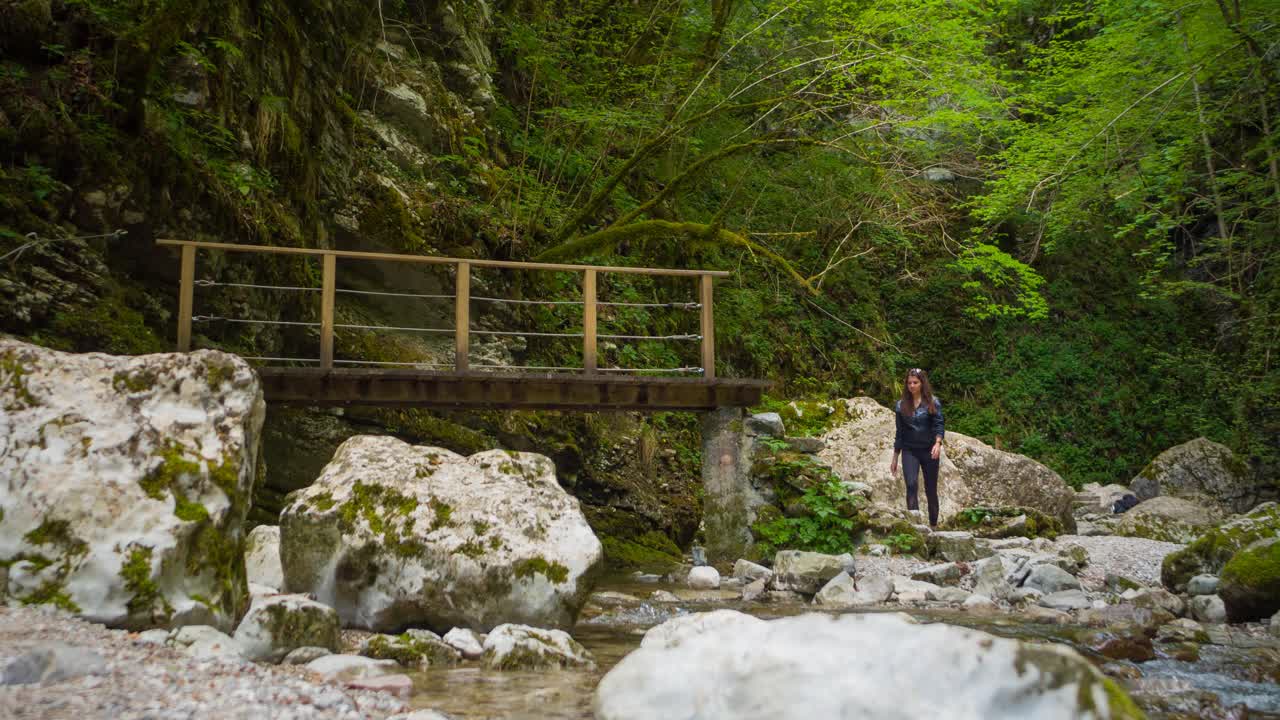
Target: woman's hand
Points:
(893, 465)
(936, 451)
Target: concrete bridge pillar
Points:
(726, 483)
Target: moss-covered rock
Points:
(1208, 553)
(1201, 470)
(1168, 519)
(275, 625)
(1004, 522)
(397, 536)
(1250, 581)
(520, 647)
(860, 448)
(415, 649)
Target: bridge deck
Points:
(525, 391)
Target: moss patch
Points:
(147, 606)
(189, 511)
(996, 522)
(647, 550)
(1208, 553)
(164, 478)
(217, 373)
(51, 593)
(1250, 582)
(133, 381)
(57, 533)
(553, 571)
(805, 418)
(13, 382)
(410, 649)
(386, 512)
(442, 512)
(322, 501)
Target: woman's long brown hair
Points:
(908, 406)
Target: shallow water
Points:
(1222, 677)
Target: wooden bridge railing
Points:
(461, 296)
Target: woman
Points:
(919, 439)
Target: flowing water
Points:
(1245, 672)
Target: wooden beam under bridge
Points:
(517, 391)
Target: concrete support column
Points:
(726, 468)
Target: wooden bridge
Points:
(464, 385)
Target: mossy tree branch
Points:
(646, 149)
(693, 170)
(664, 229)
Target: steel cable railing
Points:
(588, 330)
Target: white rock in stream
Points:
(352, 667)
(394, 535)
(278, 624)
(262, 557)
(126, 482)
(466, 642)
(854, 666)
(844, 591)
(520, 647)
(806, 572)
(704, 577)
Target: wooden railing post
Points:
(589, 322)
(330, 272)
(186, 287)
(462, 318)
(707, 327)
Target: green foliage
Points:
(828, 526)
(903, 543)
(999, 286)
(803, 418)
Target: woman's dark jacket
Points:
(918, 430)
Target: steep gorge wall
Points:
(313, 123)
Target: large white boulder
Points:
(1202, 470)
(394, 535)
(972, 472)
(855, 666)
(1169, 518)
(125, 482)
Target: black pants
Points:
(913, 461)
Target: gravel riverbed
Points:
(134, 678)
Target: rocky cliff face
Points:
(322, 124)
